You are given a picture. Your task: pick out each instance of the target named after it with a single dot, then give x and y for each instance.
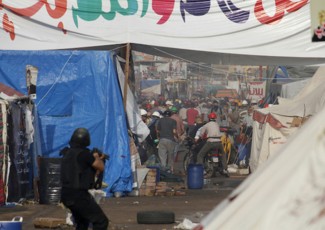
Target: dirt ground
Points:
(123, 211)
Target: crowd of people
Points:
(172, 121)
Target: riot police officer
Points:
(78, 169)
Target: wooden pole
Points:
(127, 57)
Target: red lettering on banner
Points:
(256, 91)
(58, 12)
(280, 7)
(60, 8)
(8, 26)
(60, 25)
(164, 8)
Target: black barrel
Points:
(50, 182)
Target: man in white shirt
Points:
(182, 114)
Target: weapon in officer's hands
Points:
(98, 183)
(100, 153)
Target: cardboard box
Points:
(170, 193)
(150, 187)
(48, 222)
(151, 184)
(141, 166)
(150, 193)
(161, 194)
(180, 193)
(297, 121)
(161, 183)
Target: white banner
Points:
(256, 90)
(253, 27)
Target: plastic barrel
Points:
(241, 151)
(158, 172)
(50, 181)
(195, 176)
(11, 225)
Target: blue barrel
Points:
(195, 176)
(241, 151)
(158, 172)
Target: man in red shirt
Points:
(191, 115)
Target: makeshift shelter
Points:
(287, 192)
(76, 89)
(272, 125)
(287, 90)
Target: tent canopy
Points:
(287, 192)
(271, 125)
(200, 31)
(76, 89)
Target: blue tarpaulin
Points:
(76, 89)
(280, 77)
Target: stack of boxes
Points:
(149, 186)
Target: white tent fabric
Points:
(267, 139)
(137, 126)
(270, 31)
(290, 90)
(287, 192)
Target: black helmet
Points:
(81, 137)
(167, 113)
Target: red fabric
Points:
(191, 115)
(180, 125)
(274, 123)
(202, 116)
(259, 117)
(205, 136)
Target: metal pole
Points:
(126, 75)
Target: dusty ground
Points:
(123, 211)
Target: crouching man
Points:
(78, 169)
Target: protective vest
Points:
(72, 174)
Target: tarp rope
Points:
(62, 72)
(57, 78)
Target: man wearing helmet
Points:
(155, 107)
(212, 130)
(144, 116)
(78, 168)
(151, 145)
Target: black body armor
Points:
(72, 174)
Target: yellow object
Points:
(240, 104)
(226, 146)
(176, 100)
(237, 101)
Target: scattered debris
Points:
(232, 168)
(178, 193)
(48, 222)
(198, 215)
(186, 224)
(243, 171)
